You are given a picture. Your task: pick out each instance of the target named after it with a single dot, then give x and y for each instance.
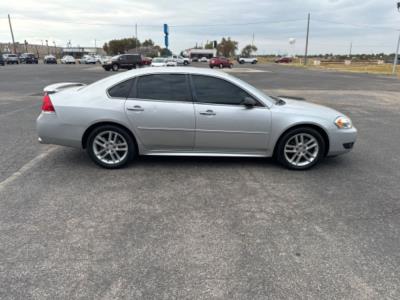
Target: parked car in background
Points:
(189, 112)
(147, 61)
(124, 61)
(284, 60)
(250, 60)
(180, 60)
(87, 59)
(11, 59)
(28, 58)
(68, 59)
(98, 58)
(159, 62)
(220, 62)
(50, 59)
(170, 62)
(203, 59)
(105, 59)
(2, 62)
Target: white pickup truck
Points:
(250, 60)
(180, 60)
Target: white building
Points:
(199, 53)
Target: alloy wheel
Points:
(301, 149)
(110, 147)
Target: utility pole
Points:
(252, 41)
(351, 49)
(12, 34)
(55, 49)
(396, 56)
(136, 35)
(308, 33)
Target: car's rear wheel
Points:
(300, 148)
(110, 146)
(115, 67)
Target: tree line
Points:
(226, 47)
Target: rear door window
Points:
(168, 87)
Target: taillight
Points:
(47, 106)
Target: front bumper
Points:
(341, 141)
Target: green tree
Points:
(209, 45)
(122, 45)
(165, 52)
(248, 50)
(148, 43)
(227, 47)
(105, 47)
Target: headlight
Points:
(343, 123)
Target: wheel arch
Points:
(320, 130)
(87, 132)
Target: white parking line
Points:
(18, 110)
(25, 168)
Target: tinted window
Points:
(171, 87)
(214, 90)
(121, 90)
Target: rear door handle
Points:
(135, 108)
(208, 112)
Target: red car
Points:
(284, 60)
(221, 62)
(146, 61)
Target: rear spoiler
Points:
(56, 87)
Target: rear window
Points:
(121, 90)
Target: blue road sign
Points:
(166, 29)
(166, 42)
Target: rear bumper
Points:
(342, 141)
(51, 131)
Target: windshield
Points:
(158, 60)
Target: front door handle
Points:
(135, 108)
(208, 112)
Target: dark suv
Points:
(124, 61)
(28, 58)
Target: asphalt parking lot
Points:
(202, 228)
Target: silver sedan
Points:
(188, 112)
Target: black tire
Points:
(115, 67)
(280, 147)
(132, 153)
(212, 67)
(185, 63)
(241, 62)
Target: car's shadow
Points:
(74, 157)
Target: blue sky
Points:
(371, 25)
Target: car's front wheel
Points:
(115, 67)
(300, 148)
(110, 146)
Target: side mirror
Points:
(249, 102)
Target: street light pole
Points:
(397, 48)
(308, 34)
(396, 56)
